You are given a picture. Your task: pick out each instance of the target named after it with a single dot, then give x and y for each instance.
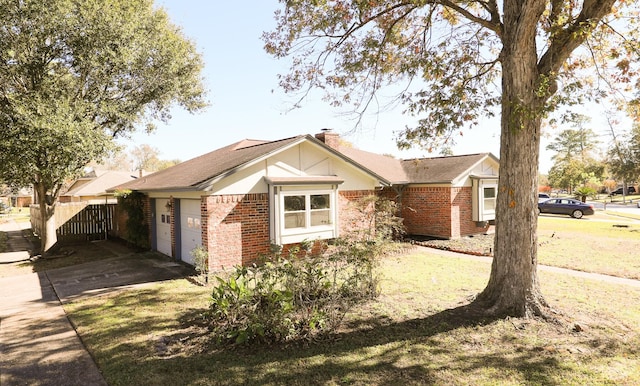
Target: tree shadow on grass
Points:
(371, 351)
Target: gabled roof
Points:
(386, 166)
(195, 173)
(97, 182)
(442, 169)
(200, 172)
(420, 170)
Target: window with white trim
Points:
(307, 210)
(489, 196)
(304, 213)
(484, 198)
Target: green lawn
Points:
(590, 246)
(608, 245)
(412, 335)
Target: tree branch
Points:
(565, 42)
(493, 24)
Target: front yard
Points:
(609, 244)
(413, 334)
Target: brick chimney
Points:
(329, 138)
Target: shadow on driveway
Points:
(103, 276)
(38, 344)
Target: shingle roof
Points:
(440, 169)
(196, 173)
(419, 170)
(192, 174)
(385, 166)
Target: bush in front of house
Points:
(301, 298)
(289, 298)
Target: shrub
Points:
(583, 192)
(201, 261)
(290, 298)
(137, 229)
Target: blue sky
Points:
(247, 103)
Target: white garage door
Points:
(163, 227)
(190, 228)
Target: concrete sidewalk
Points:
(38, 344)
(19, 248)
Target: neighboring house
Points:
(17, 197)
(86, 211)
(238, 200)
(92, 187)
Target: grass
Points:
(410, 335)
(414, 334)
(590, 246)
(608, 247)
(17, 214)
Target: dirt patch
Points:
(479, 245)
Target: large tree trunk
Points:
(48, 236)
(513, 287)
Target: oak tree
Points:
(454, 62)
(75, 75)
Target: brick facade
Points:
(235, 228)
(148, 216)
(443, 212)
(354, 217)
(172, 224)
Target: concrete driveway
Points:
(38, 344)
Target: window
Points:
(304, 213)
(484, 198)
(489, 199)
(294, 212)
(320, 209)
(307, 210)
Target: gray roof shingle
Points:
(416, 171)
(440, 169)
(196, 172)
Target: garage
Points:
(163, 227)
(190, 228)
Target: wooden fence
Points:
(79, 221)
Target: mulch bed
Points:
(479, 245)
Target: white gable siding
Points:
(488, 167)
(305, 159)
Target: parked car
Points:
(568, 206)
(543, 197)
(630, 190)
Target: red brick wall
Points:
(462, 213)
(352, 218)
(427, 211)
(148, 215)
(235, 229)
(444, 212)
(172, 225)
